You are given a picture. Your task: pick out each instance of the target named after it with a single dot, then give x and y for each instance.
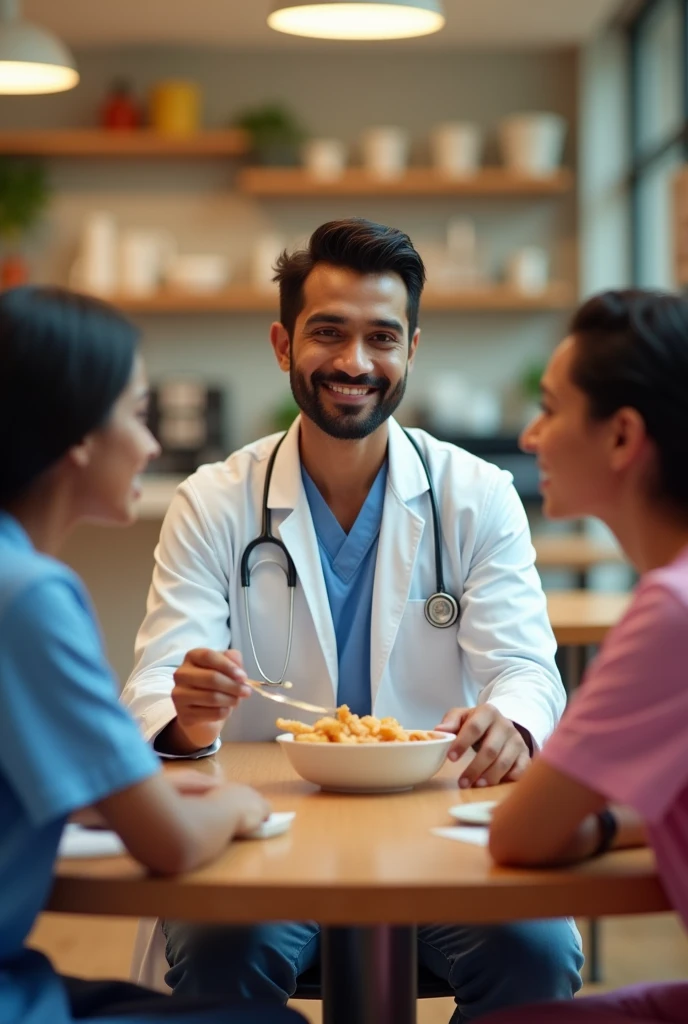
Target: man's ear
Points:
(279, 339)
(413, 347)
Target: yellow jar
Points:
(175, 107)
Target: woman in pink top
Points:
(612, 442)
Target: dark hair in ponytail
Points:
(64, 361)
(631, 349)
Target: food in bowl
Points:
(340, 757)
(350, 728)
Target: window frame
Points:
(643, 159)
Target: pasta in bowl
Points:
(348, 754)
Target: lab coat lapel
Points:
(296, 530)
(400, 535)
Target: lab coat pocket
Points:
(424, 671)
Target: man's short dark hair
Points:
(356, 244)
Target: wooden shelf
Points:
(237, 299)
(157, 493)
(499, 298)
(419, 181)
(244, 299)
(142, 142)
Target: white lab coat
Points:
(501, 650)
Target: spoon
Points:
(281, 699)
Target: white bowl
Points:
(367, 767)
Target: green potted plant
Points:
(276, 136)
(23, 196)
(530, 388)
(285, 413)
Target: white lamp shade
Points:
(33, 61)
(357, 19)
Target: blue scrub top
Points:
(348, 565)
(65, 743)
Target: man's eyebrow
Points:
(326, 318)
(392, 325)
(334, 318)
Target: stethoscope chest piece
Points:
(441, 610)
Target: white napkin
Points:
(77, 841)
(277, 823)
(464, 834)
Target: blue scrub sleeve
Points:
(65, 740)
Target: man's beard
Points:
(348, 424)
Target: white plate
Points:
(367, 768)
(276, 824)
(78, 841)
(479, 813)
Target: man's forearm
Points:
(184, 741)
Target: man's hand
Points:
(208, 685)
(502, 754)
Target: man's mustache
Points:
(362, 381)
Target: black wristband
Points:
(608, 829)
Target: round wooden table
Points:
(573, 551)
(580, 618)
(368, 869)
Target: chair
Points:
(148, 960)
(149, 966)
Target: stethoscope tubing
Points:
(439, 598)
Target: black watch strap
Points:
(608, 828)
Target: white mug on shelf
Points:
(455, 148)
(325, 159)
(145, 255)
(385, 151)
(198, 272)
(532, 143)
(528, 270)
(95, 270)
(263, 257)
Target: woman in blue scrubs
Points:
(73, 400)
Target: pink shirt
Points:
(625, 733)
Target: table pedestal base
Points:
(369, 975)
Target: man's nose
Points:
(354, 358)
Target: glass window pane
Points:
(655, 222)
(660, 86)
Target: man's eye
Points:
(384, 339)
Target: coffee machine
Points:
(187, 418)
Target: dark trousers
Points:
(93, 1000)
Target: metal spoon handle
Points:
(281, 699)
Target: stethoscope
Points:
(441, 609)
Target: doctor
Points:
(350, 498)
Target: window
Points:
(659, 134)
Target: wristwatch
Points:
(608, 826)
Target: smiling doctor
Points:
(403, 573)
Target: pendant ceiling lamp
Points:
(357, 19)
(32, 60)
